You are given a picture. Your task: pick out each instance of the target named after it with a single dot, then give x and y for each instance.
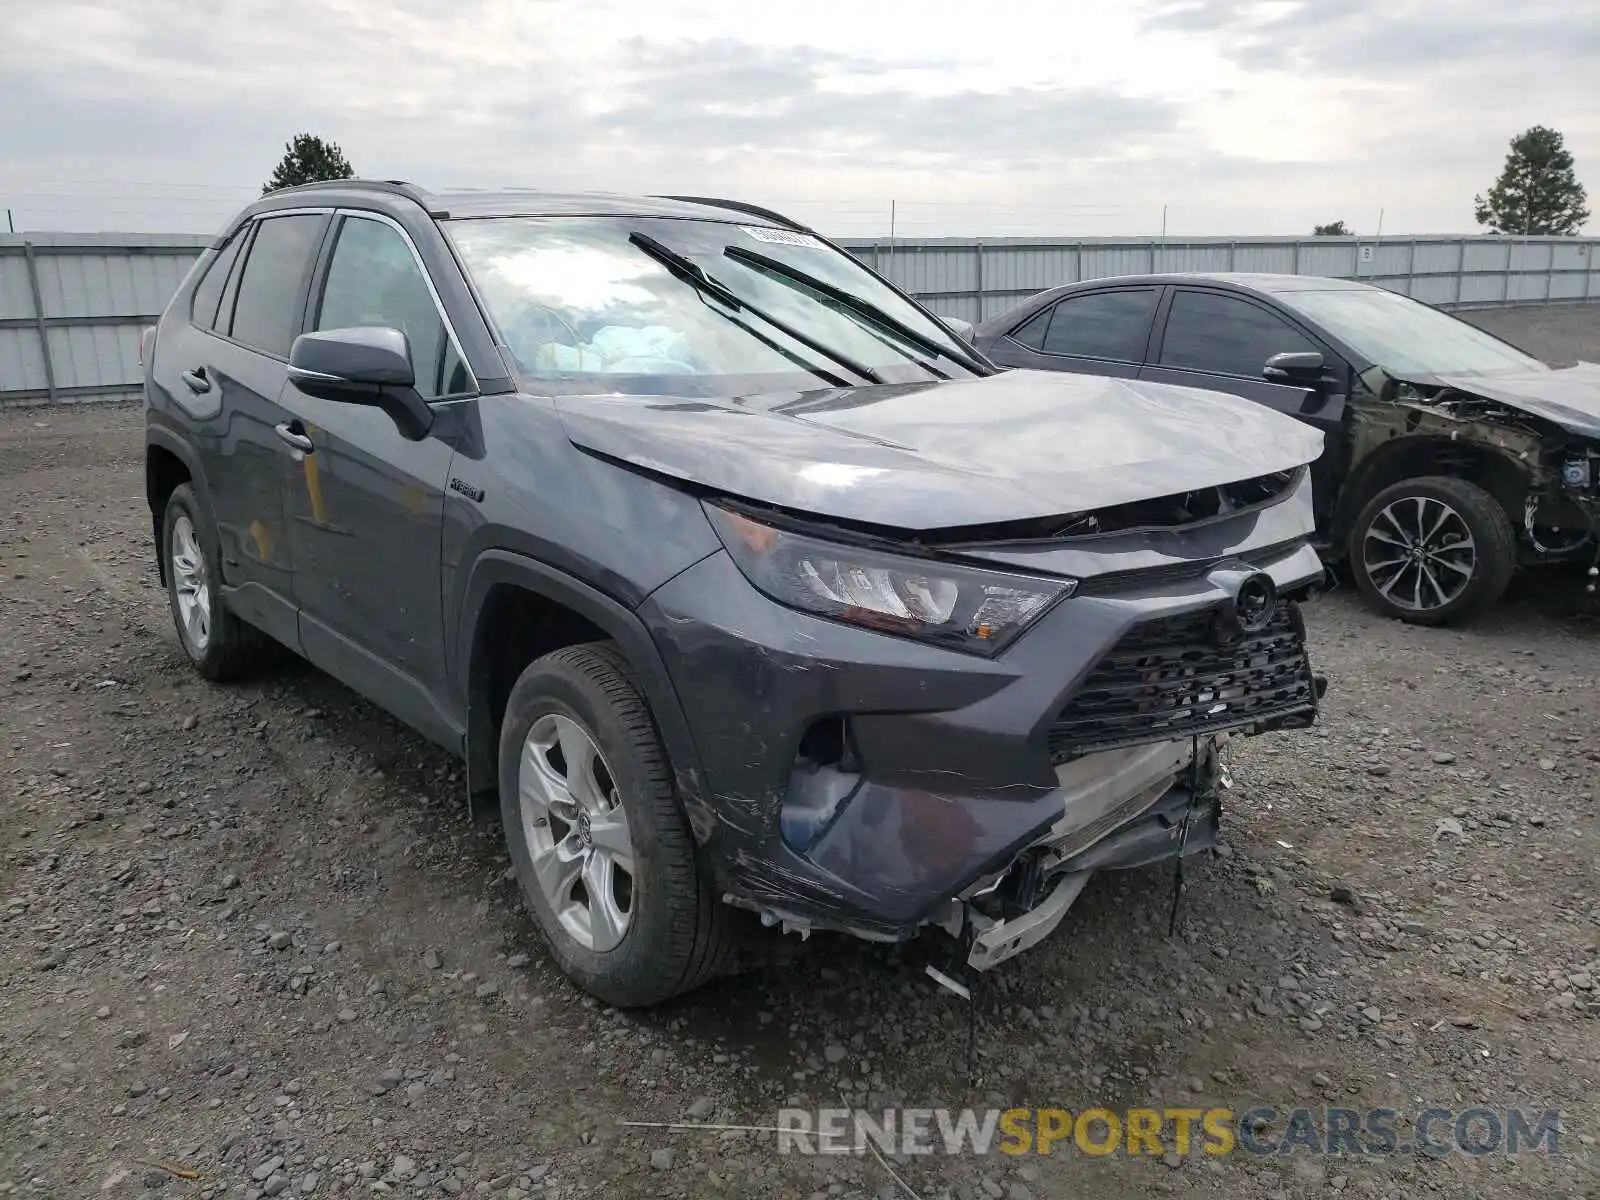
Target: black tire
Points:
(232, 649)
(679, 935)
(1494, 550)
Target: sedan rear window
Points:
(1110, 325)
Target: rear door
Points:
(366, 506)
(234, 369)
(1101, 332)
(1222, 340)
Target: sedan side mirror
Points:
(366, 365)
(1302, 367)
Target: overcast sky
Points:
(982, 117)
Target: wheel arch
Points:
(169, 463)
(1498, 472)
(517, 608)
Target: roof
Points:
(1244, 280)
(529, 202)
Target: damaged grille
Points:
(1171, 678)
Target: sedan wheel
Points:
(577, 832)
(1419, 553)
(1432, 549)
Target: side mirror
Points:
(962, 329)
(368, 365)
(1302, 367)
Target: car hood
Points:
(1012, 446)
(1568, 396)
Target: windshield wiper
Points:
(685, 268)
(863, 309)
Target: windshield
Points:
(1407, 338)
(585, 307)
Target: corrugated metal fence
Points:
(976, 280)
(72, 305)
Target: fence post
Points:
(1295, 270)
(38, 322)
(1461, 270)
(1411, 269)
(1550, 272)
(977, 254)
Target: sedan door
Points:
(1221, 341)
(366, 505)
(231, 367)
(1101, 332)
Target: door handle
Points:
(295, 434)
(196, 380)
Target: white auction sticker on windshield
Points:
(783, 237)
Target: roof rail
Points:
(753, 210)
(392, 187)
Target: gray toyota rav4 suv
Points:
(756, 593)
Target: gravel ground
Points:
(251, 946)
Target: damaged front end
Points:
(884, 787)
(1532, 440)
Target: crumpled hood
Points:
(923, 456)
(1569, 396)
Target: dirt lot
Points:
(249, 937)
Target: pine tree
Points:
(1538, 192)
(308, 159)
(1333, 229)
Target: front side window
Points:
(584, 307)
(1110, 325)
(374, 279)
(1207, 331)
(266, 312)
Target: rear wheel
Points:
(1432, 550)
(601, 847)
(218, 643)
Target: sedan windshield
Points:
(1406, 338)
(688, 307)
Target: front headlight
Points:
(964, 608)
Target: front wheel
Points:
(601, 847)
(1432, 550)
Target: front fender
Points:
(493, 568)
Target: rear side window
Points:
(1113, 325)
(267, 310)
(208, 292)
(1031, 332)
(1225, 335)
(374, 279)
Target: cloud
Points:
(1076, 118)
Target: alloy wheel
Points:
(1419, 553)
(577, 832)
(190, 584)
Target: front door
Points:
(365, 503)
(1221, 341)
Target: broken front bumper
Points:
(860, 782)
(1123, 809)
